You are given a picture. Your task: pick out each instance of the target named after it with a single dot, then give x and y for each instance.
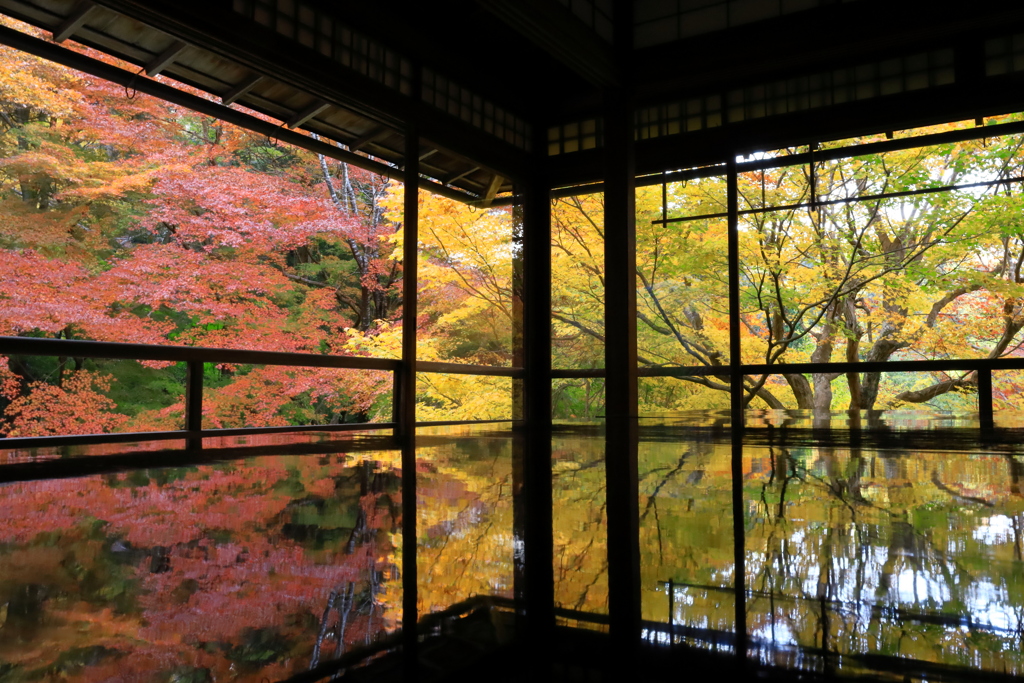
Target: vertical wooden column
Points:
(736, 412)
(406, 399)
(405, 384)
(520, 450)
(537, 301)
(985, 416)
(621, 364)
(194, 402)
(518, 296)
(536, 493)
(620, 258)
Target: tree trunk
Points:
(853, 352)
(801, 390)
(822, 401)
(881, 350)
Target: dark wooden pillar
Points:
(620, 258)
(985, 416)
(406, 398)
(405, 415)
(534, 522)
(736, 413)
(194, 403)
(519, 425)
(621, 364)
(536, 212)
(518, 296)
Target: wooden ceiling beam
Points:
(306, 114)
(165, 58)
(243, 87)
(492, 190)
(216, 28)
(372, 136)
(75, 60)
(74, 21)
(460, 176)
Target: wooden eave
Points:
(356, 109)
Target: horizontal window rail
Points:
(963, 364)
(982, 366)
(74, 348)
(195, 357)
(464, 369)
(56, 441)
(817, 203)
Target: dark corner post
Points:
(621, 362)
(535, 496)
(519, 384)
(736, 413)
(519, 450)
(194, 403)
(406, 396)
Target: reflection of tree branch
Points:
(941, 555)
(323, 630)
(586, 589)
(344, 610)
(958, 496)
(652, 499)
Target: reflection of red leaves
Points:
(229, 566)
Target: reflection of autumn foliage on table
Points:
(579, 517)
(916, 554)
(465, 527)
(223, 570)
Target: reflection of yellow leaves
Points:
(465, 546)
(580, 540)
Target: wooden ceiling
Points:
(494, 86)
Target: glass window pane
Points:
(577, 283)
